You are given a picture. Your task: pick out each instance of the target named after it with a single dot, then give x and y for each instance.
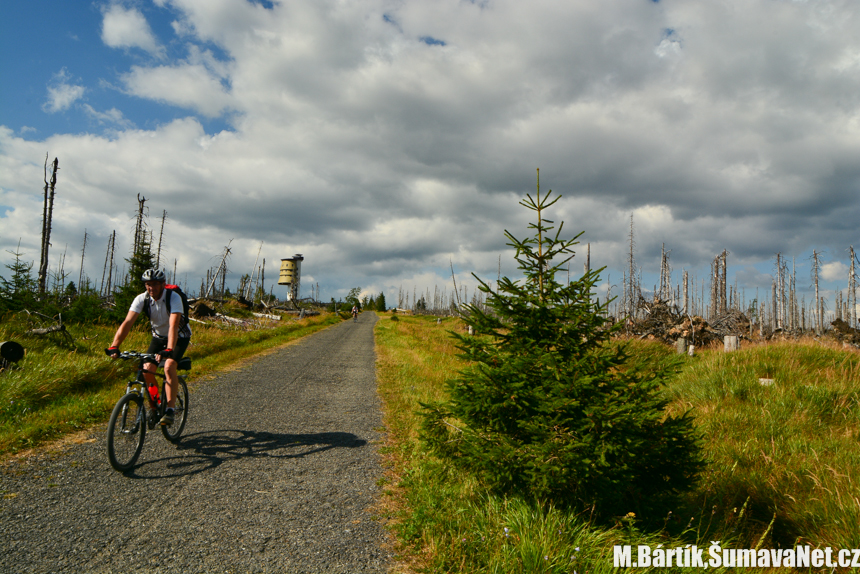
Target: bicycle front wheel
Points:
(126, 431)
(172, 432)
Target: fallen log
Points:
(264, 316)
(47, 330)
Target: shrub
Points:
(548, 409)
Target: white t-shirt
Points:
(158, 312)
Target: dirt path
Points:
(275, 473)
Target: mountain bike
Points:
(141, 408)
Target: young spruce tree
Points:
(549, 409)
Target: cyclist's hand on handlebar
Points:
(165, 354)
(112, 352)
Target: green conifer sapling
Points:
(551, 410)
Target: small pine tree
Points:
(421, 305)
(550, 409)
(18, 292)
(380, 302)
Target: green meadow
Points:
(783, 462)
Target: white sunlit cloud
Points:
(127, 28)
(112, 117)
(190, 86)
(61, 93)
(388, 138)
(834, 271)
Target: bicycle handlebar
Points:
(133, 355)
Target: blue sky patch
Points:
(431, 41)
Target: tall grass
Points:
(782, 461)
(790, 447)
(59, 388)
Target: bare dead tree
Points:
(587, 266)
(60, 279)
(456, 292)
(83, 253)
(686, 293)
(715, 290)
(47, 215)
(631, 289)
(140, 226)
(852, 290)
(815, 269)
(263, 279)
(723, 299)
(222, 265)
(247, 293)
(108, 269)
(780, 290)
(160, 237)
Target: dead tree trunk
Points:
(852, 291)
(780, 291)
(139, 229)
(160, 237)
(632, 300)
(108, 269)
(715, 289)
(686, 293)
(248, 295)
(47, 214)
(587, 269)
(224, 265)
(83, 253)
(818, 321)
(723, 299)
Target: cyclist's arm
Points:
(173, 330)
(124, 329)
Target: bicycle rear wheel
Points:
(126, 431)
(180, 410)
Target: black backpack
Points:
(183, 323)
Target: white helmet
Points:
(153, 275)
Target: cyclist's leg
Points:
(156, 345)
(170, 370)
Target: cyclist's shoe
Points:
(167, 419)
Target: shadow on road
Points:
(207, 450)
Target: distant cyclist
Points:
(170, 332)
(355, 312)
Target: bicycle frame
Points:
(139, 386)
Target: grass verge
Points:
(59, 389)
(783, 462)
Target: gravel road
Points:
(276, 472)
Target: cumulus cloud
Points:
(834, 271)
(184, 85)
(127, 28)
(112, 117)
(61, 93)
(385, 140)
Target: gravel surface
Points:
(276, 471)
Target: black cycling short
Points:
(158, 344)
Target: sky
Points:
(388, 141)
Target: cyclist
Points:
(170, 333)
(355, 312)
